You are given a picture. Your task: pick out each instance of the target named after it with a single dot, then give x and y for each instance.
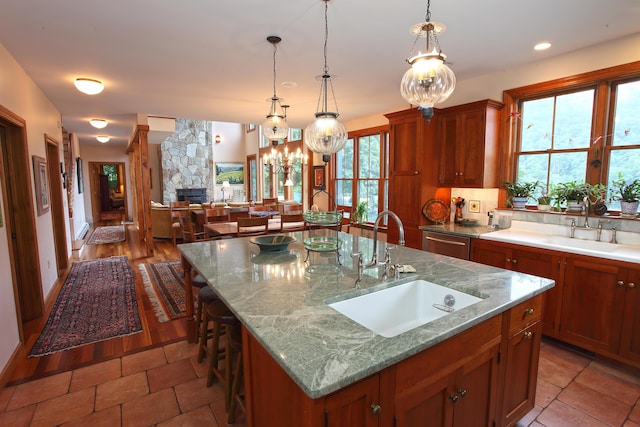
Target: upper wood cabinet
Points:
(412, 175)
(468, 140)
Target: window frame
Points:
(604, 81)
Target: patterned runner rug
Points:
(97, 302)
(107, 234)
(164, 284)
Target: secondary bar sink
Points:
(400, 308)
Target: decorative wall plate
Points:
(436, 211)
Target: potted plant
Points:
(360, 213)
(573, 193)
(628, 193)
(520, 192)
(544, 203)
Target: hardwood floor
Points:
(154, 334)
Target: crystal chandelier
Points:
(429, 80)
(275, 127)
(325, 135)
(284, 161)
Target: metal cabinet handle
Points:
(620, 283)
(449, 242)
(515, 261)
(462, 392)
(529, 311)
(632, 285)
(528, 335)
(375, 409)
(508, 259)
(454, 398)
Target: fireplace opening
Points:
(192, 195)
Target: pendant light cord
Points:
(275, 49)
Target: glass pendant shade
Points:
(429, 80)
(275, 126)
(88, 86)
(325, 135)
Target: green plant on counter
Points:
(360, 214)
(521, 189)
(625, 191)
(544, 200)
(563, 192)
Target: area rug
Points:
(164, 284)
(97, 302)
(107, 234)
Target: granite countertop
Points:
(283, 303)
(458, 230)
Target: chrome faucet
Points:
(357, 256)
(599, 230)
(374, 256)
(573, 228)
(613, 235)
(587, 208)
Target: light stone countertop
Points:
(284, 306)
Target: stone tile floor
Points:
(166, 387)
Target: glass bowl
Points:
(273, 243)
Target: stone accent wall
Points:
(186, 159)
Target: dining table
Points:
(230, 229)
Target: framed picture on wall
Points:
(80, 175)
(251, 127)
(42, 184)
(318, 178)
(232, 172)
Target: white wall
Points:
(104, 153)
(19, 94)
(79, 217)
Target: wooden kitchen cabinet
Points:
(356, 405)
(524, 259)
(412, 179)
(630, 340)
(468, 139)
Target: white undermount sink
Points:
(400, 308)
(582, 244)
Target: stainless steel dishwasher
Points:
(446, 244)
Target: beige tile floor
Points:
(166, 387)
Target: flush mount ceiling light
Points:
(429, 80)
(89, 86)
(103, 139)
(325, 135)
(542, 46)
(98, 123)
(275, 127)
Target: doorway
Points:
(108, 191)
(19, 218)
(54, 170)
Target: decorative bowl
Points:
(323, 217)
(273, 243)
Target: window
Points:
(362, 172)
(584, 128)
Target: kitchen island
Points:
(296, 344)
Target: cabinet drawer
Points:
(525, 314)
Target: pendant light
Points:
(275, 127)
(325, 135)
(429, 80)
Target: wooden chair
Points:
(252, 226)
(270, 201)
(188, 229)
(217, 215)
(292, 222)
(292, 209)
(177, 209)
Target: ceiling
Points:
(210, 59)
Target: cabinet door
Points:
(490, 253)
(521, 373)
(592, 305)
(471, 152)
(630, 342)
(449, 150)
(352, 406)
(427, 404)
(475, 385)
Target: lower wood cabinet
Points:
(469, 380)
(595, 303)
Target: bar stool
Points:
(222, 318)
(237, 396)
(206, 296)
(198, 282)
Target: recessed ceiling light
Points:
(99, 123)
(89, 86)
(542, 46)
(103, 139)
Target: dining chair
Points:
(217, 215)
(176, 210)
(270, 201)
(292, 222)
(188, 229)
(252, 226)
(292, 209)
